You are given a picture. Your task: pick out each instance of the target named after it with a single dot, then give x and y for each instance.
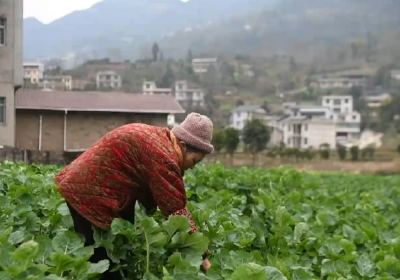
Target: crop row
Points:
(257, 223)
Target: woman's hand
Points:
(205, 266)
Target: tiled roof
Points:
(96, 101)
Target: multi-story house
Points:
(335, 122)
(201, 65)
(33, 72)
(11, 66)
(150, 88)
(57, 83)
(304, 132)
(108, 79)
(332, 83)
(188, 95)
(242, 114)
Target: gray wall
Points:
(11, 65)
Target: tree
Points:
(218, 140)
(265, 106)
(354, 153)
(189, 57)
(356, 92)
(383, 77)
(354, 50)
(168, 78)
(155, 50)
(292, 64)
(232, 140)
(210, 79)
(324, 151)
(239, 102)
(389, 114)
(342, 152)
(370, 46)
(255, 137)
(368, 152)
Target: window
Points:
(305, 127)
(2, 110)
(2, 32)
(354, 117)
(327, 101)
(305, 141)
(346, 101)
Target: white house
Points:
(201, 65)
(56, 83)
(244, 113)
(331, 83)
(376, 101)
(150, 88)
(311, 125)
(304, 132)
(108, 79)
(188, 95)
(33, 72)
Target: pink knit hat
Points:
(196, 131)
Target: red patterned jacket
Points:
(135, 162)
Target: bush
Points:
(354, 151)
(342, 152)
(398, 148)
(324, 151)
(309, 153)
(368, 152)
(218, 140)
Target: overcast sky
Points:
(48, 10)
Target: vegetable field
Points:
(258, 224)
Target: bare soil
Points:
(381, 167)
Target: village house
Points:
(33, 72)
(379, 96)
(150, 88)
(189, 95)
(242, 114)
(376, 101)
(11, 66)
(341, 80)
(395, 74)
(79, 84)
(91, 69)
(62, 82)
(337, 83)
(201, 65)
(304, 126)
(108, 79)
(70, 122)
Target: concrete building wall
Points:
(308, 134)
(320, 133)
(11, 65)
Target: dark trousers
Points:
(84, 227)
